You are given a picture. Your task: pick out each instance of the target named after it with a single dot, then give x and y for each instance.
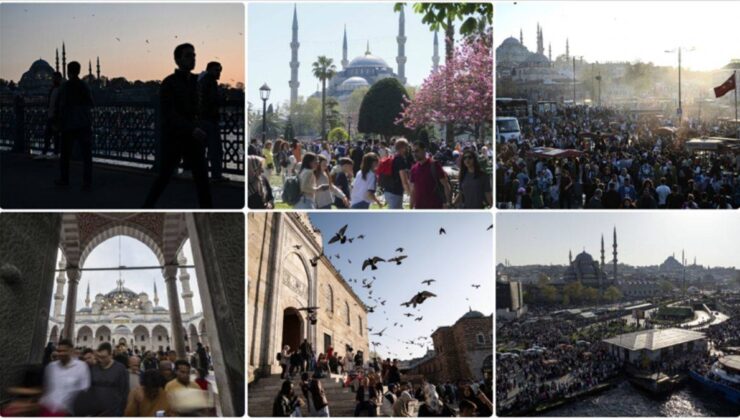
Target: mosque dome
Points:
(510, 42)
(537, 60)
(353, 83)
(472, 314)
(38, 77)
(367, 61)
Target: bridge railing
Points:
(126, 133)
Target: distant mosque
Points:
(362, 71)
(38, 79)
(590, 273)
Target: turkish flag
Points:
(725, 87)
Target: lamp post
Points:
(679, 111)
(349, 129)
(264, 95)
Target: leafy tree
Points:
(338, 134)
(612, 294)
(475, 16)
(590, 294)
(333, 115)
(566, 299)
(549, 293)
(574, 291)
(381, 107)
(288, 134)
(323, 69)
(666, 287)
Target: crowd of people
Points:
(378, 386)
(426, 174)
(115, 382)
(620, 161)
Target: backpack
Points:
(279, 356)
(291, 190)
(385, 171)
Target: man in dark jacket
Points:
(75, 103)
(208, 102)
(182, 136)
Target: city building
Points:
(288, 272)
(461, 351)
(656, 345)
(590, 273)
(509, 298)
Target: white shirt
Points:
(361, 186)
(662, 191)
(62, 383)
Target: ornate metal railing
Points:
(124, 133)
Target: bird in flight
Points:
(428, 282)
(398, 259)
(419, 318)
(477, 286)
(371, 309)
(360, 236)
(372, 263)
(442, 231)
(399, 249)
(408, 314)
(339, 236)
(118, 39)
(380, 333)
(490, 227)
(418, 299)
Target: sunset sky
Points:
(32, 31)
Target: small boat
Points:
(724, 377)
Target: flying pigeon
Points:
(428, 282)
(379, 333)
(442, 231)
(371, 309)
(408, 314)
(397, 259)
(339, 236)
(476, 285)
(490, 227)
(360, 236)
(418, 318)
(419, 298)
(372, 263)
(399, 249)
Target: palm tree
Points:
(324, 69)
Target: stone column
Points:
(269, 328)
(187, 294)
(73, 277)
(59, 295)
(176, 338)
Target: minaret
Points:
(401, 38)
(435, 57)
(567, 49)
(64, 61)
(294, 64)
(89, 68)
(59, 295)
(156, 298)
(521, 36)
(187, 294)
(540, 42)
(87, 296)
(367, 49)
(56, 60)
(683, 264)
(345, 62)
(603, 261)
(615, 254)
(549, 51)
(98, 67)
(570, 257)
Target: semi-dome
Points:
(353, 83)
(537, 59)
(367, 60)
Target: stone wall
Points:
(28, 242)
(471, 353)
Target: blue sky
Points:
(642, 238)
(133, 253)
(627, 31)
(320, 31)
(462, 257)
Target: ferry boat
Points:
(723, 376)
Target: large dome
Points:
(367, 60)
(41, 65)
(353, 83)
(510, 42)
(584, 258)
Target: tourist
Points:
(432, 406)
(474, 184)
(269, 159)
(286, 403)
(595, 201)
(182, 379)
(364, 187)
(182, 138)
(325, 198)
(366, 399)
(208, 105)
(259, 192)
(389, 399)
(134, 372)
(63, 380)
(150, 362)
(51, 131)
(109, 384)
(467, 409)
(430, 188)
(167, 370)
(342, 177)
(401, 406)
(284, 360)
(396, 183)
(149, 399)
(202, 380)
(75, 121)
(307, 181)
(663, 191)
(313, 391)
(88, 355)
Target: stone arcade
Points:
(281, 279)
(29, 244)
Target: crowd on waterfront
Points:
(424, 174)
(619, 161)
(114, 382)
(378, 385)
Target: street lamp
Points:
(349, 129)
(679, 111)
(264, 95)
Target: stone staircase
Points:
(262, 393)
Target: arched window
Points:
(481, 338)
(359, 324)
(346, 312)
(329, 299)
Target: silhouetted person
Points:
(52, 118)
(75, 105)
(208, 107)
(182, 137)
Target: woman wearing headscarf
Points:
(432, 405)
(259, 190)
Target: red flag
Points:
(725, 87)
